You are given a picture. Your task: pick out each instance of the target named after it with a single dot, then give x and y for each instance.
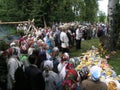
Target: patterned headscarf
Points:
(84, 73)
(70, 81)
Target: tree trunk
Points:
(111, 39)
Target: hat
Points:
(95, 72)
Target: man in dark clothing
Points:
(35, 78)
(3, 72)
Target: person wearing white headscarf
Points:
(56, 58)
(51, 78)
(62, 65)
(15, 49)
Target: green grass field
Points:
(86, 45)
(115, 62)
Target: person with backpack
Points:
(20, 77)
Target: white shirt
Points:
(64, 40)
(62, 69)
(78, 34)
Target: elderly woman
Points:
(94, 83)
(55, 58)
(70, 80)
(51, 78)
(62, 66)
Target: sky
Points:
(103, 6)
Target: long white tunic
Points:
(78, 34)
(64, 40)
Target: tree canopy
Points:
(102, 17)
(48, 10)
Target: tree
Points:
(116, 26)
(102, 16)
(111, 22)
(91, 8)
(48, 10)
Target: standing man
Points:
(34, 74)
(64, 41)
(78, 37)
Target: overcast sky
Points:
(103, 6)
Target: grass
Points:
(115, 62)
(87, 44)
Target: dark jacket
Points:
(35, 78)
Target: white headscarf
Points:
(48, 64)
(95, 73)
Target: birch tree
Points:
(111, 8)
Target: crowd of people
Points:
(44, 55)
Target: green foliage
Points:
(115, 61)
(102, 16)
(90, 11)
(48, 10)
